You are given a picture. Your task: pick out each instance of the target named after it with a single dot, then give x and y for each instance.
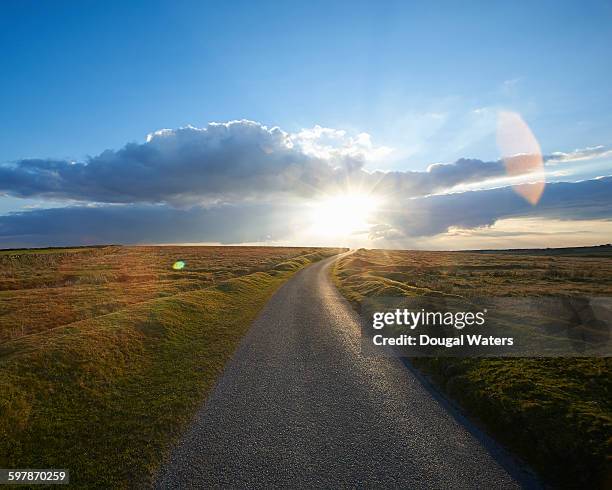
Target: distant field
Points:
(45, 288)
(556, 413)
(597, 251)
(107, 352)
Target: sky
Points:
(364, 113)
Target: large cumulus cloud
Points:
(230, 161)
(241, 181)
(184, 166)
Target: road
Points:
(298, 405)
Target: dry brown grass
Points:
(47, 288)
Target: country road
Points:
(299, 406)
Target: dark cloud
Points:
(229, 162)
(590, 199)
(231, 183)
(185, 166)
(240, 223)
(82, 225)
(438, 177)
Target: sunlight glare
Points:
(343, 214)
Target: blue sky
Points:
(425, 79)
(81, 77)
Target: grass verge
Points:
(554, 413)
(107, 397)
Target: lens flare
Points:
(178, 265)
(521, 154)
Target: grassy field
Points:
(555, 413)
(107, 352)
(43, 289)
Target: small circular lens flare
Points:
(178, 265)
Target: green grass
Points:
(555, 413)
(106, 397)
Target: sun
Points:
(342, 214)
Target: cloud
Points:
(241, 181)
(235, 160)
(335, 145)
(82, 225)
(522, 232)
(229, 162)
(590, 199)
(398, 222)
(588, 153)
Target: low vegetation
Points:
(46, 288)
(556, 413)
(117, 350)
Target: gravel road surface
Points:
(299, 406)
